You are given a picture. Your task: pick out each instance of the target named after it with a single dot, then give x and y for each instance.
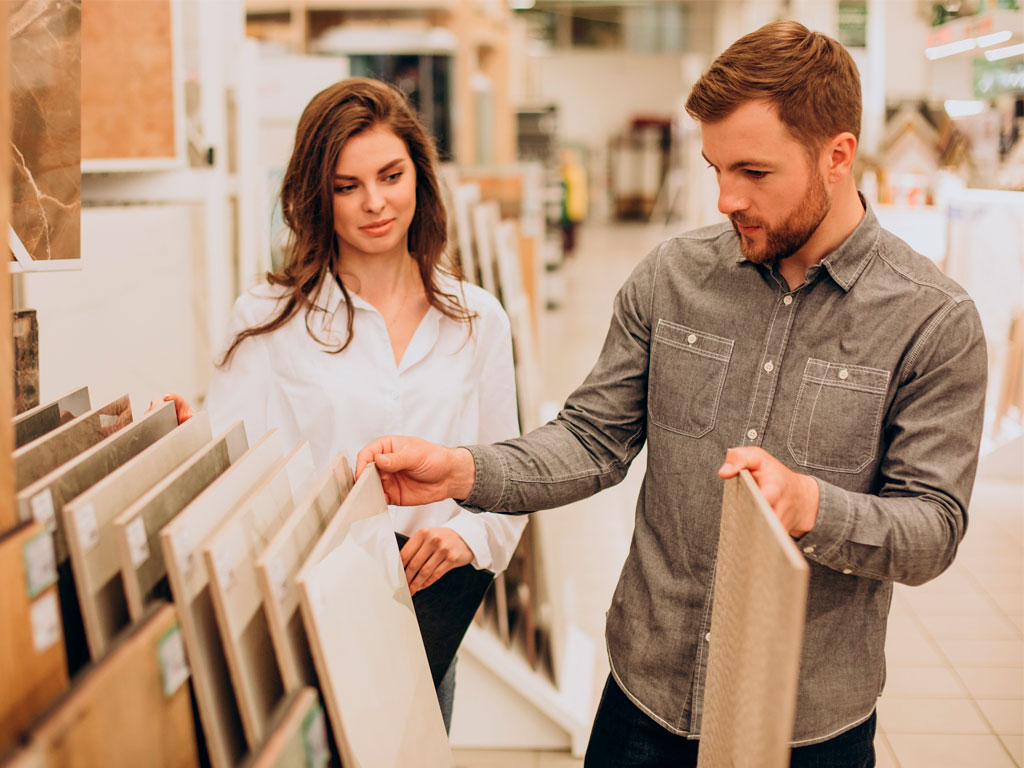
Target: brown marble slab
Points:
(26, 360)
(43, 419)
(45, 85)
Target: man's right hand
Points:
(415, 472)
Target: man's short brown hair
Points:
(809, 78)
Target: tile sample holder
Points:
(44, 500)
(133, 708)
(137, 528)
(277, 567)
(486, 216)
(181, 541)
(42, 456)
(297, 735)
(757, 624)
(230, 554)
(464, 197)
(32, 661)
(45, 418)
(366, 644)
(88, 522)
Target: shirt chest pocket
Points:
(837, 416)
(688, 370)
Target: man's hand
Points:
(415, 472)
(430, 553)
(792, 496)
(182, 409)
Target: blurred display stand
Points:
(638, 162)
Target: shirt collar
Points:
(846, 263)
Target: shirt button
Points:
(707, 637)
(809, 550)
(769, 367)
(847, 571)
(691, 339)
(787, 300)
(844, 374)
(752, 434)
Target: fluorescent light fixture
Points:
(939, 51)
(1005, 53)
(963, 108)
(984, 41)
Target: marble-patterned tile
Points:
(26, 360)
(45, 86)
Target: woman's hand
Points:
(430, 553)
(181, 408)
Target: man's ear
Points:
(840, 152)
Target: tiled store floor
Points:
(955, 650)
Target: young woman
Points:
(364, 332)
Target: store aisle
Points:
(955, 691)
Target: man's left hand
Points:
(430, 553)
(792, 496)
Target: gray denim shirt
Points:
(870, 377)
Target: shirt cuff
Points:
(471, 529)
(489, 481)
(823, 542)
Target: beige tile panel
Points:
(949, 751)
(493, 758)
(987, 627)
(993, 682)
(982, 653)
(900, 715)
(1014, 744)
(884, 757)
(1004, 715)
(922, 682)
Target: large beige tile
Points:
(907, 645)
(928, 715)
(923, 682)
(494, 758)
(1014, 744)
(985, 627)
(1009, 601)
(993, 682)
(982, 653)
(558, 760)
(1004, 715)
(884, 757)
(949, 751)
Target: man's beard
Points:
(787, 238)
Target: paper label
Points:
(42, 507)
(138, 542)
(45, 617)
(314, 737)
(40, 563)
(108, 420)
(170, 653)
(88, 530)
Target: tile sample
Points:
(297, 736)
(45, 418)
(279, 563)
(362, 628)
(44, 455)
(26, 360)
(137, 528)
(181, 541)
(46, 179)
(131, 709)
(44, 500)
(230, 553)
(91, 536)
(757, 623)
(32, 662)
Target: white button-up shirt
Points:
(449, 388)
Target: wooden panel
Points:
(757, 625)
(230, 554)
(32, 662)
(366, 640)
(277, 567)
(47, 417)
(88, 521)
(137, 528)
(44, 455)
(297, 735)
(181, 541)
(127, 117)
(131, 709)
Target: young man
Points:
(802, 342)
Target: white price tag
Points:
(174, 669)
(88, 530)
(138, 542)
(42, 507)
(314, 736)
(40, 563)
(45, 617)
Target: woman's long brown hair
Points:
(335, 115)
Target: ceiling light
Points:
(963, 108)
(939, 51)
(1005, 53)
(984, 41)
